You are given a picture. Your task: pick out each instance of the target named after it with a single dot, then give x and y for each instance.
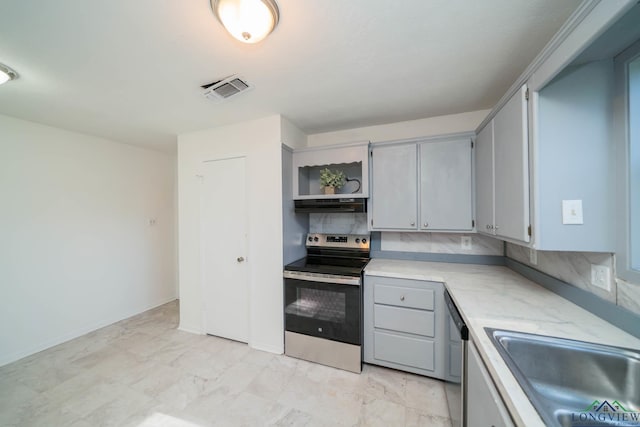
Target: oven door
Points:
(324, 309)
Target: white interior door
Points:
(223, 219)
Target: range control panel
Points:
(347, 241)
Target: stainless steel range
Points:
(323, 301)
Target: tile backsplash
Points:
(570, 267)
(628, 295)
(440, 243)
(575, 268)
(338, 223)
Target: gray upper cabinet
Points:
(566, 120)
(394, 187)
(569, 177)
(575, 160)
(484, 180)
(503, 178)
(511, 152)
(422, 185)
(445, 185)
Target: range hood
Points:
(347, 204)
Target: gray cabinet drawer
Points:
(404, 297)
(417, 322)
(408, 351)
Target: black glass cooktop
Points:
(329, 265)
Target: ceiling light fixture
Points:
(247, 20)
(7, 74)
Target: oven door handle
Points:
(322, 278)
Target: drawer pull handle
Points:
(402, 298)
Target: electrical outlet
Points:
(601, 276)
(466, 243)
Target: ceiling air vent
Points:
(226, 88)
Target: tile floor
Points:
(143, 372)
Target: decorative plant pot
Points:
(329, 190)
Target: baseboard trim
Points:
(268, 348)
(190, 330)
(17, 355)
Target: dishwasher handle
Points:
(456, 317)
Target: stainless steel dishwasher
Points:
(455, 386)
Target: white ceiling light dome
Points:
(7, 74)
(249, 21)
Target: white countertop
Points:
(497, 297)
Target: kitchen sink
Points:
(574, 383)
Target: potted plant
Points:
(330, 180)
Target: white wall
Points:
(260, 141)
(76, 248)
(295, 226)
(431, 126)
(291, 135)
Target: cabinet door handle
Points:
(402, 298)
(412, 224)
(495, 227)
(240, 259)
(426, 224)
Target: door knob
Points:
(240, 259)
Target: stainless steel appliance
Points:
(341, 204)
(323, 301)
(455, 386)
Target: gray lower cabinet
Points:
(484, 406)
(404, 325)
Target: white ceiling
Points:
(130, 70)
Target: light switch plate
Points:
(572, 212)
